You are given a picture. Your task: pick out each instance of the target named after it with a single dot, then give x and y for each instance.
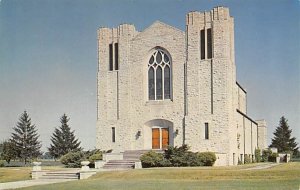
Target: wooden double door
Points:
(160, 138)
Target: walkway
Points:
(262, 166)
(27, 183)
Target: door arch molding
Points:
(163, 129)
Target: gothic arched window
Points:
(159, 76)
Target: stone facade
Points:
(207, 107)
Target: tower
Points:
(210, 80)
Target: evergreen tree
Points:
(63, 140)
(282, 138)
(25, 139)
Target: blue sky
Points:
(48, 57)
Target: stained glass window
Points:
(151, 87)
(159, 76)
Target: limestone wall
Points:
(210, 83)
(113, 93)
(142, 110)
(262, 134)
(203, 90)
(246, 136)
(241, 98)
(123, 97)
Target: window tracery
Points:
(159, 76)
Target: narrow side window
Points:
(206, 131)
(116, 56)
(113, 135)
(111, 57)
(209, 44)
(202, 43)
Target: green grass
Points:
(284, 176)
(14, 174)
(9, 174)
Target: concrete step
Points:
(133, 154)
(115, 164)
(117, 167)
(129, 159)
(60, 175)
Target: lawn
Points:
(284, 176)
(8, 174)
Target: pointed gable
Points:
(159, 28)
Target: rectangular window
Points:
(113, 136)
(206, 131)
(116, 56)
(202, 44)
(233, 159)
(111, 57)
(209, 44)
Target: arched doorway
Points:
(159, 134)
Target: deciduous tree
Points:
(7, 151)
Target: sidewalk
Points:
(27, 183)
(262, 166)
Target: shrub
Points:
(2, 163)
(72, 159)
(240, 162)
(258, 155)
(165, 163)
(247, 159)
(207, 158)
(193, 159)
(152, 159)
(93, 158)
(265, 155)
(272, 157)
(178, 156)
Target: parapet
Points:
(217, 13)
(261, 123)
(122, 29)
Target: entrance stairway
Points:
(129, 159)
(119, 164)
(133, 154)
(60, 175)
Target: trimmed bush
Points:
(2, 163)
(247, 159)
(165, 163)
(207, 158)
(240, 162)
(180, 156)
(272, 157)
(72, 159)
(265, 155)
(257, 155)
(152, 159)
(94, 157)
(177, 157)
(193, 159)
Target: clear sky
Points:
(48, 57)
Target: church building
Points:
(166, 87)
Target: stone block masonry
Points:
(206, 108)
